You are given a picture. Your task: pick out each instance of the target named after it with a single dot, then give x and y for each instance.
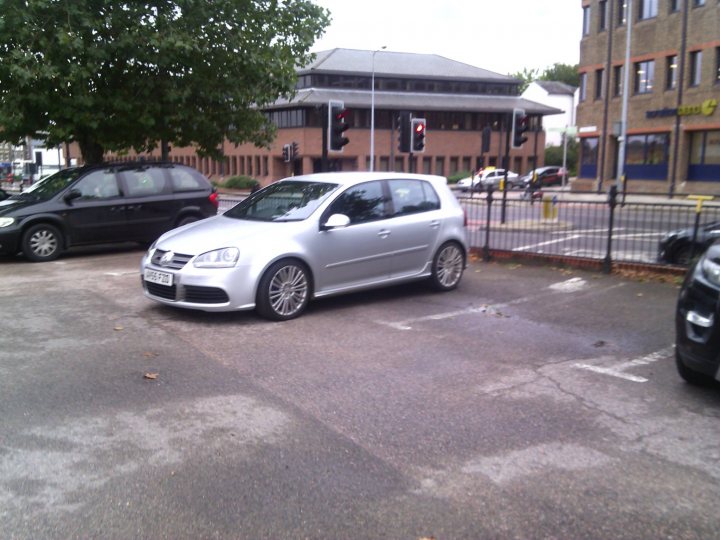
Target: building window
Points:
(674, 6)
(649, 149)
(583, 87)
(621, 12)
(695, 67)
(671, 72)
(599, 83)
(617, 81)
(704, 155)
(648, 9)
(644, 76)
(698, 3)
(440, 166)
(602, 21)
(586, 20)
(588, 157)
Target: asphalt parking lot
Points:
(533, 402)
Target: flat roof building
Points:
(673, 121)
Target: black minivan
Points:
(113, 202)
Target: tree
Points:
(114, 75)
(564, 73)
(526, 76)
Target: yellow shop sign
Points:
(707, 108)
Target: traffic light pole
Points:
(324, 159)
(506, 163)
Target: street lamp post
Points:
(372, 111)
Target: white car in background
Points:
(487, 177)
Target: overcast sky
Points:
(504, 36)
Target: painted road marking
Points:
(618, 370)
(570, 285)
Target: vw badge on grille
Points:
(167, 258)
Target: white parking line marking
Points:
(571, 285)
(533, 246)
(619, 369)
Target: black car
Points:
(3, 194)
(677, 247)
(697, 321)
(116, 202)
(547, 176)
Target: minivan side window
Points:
(413, 196)
(98, 185)
(184, 180)
(361, 203)
(145, 182)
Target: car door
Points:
(94, 209)
(362, 252)
(415, 225)
(150, 206)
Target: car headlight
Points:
(711, 270)
(219, 258)
(6, 221)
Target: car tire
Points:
(42, 242)
(448, 266)
(690, 375)
(684, 255)
(187, 219)
(284, 291)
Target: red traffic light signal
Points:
(520, 124)
(337, 125)
(419, 126)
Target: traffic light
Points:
(404, 128)
(286, 152)
(520, 124)
(294, 151)
(337, 125)
(418, 135)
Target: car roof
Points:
(351, 178)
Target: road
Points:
(530, 403)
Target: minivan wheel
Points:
(42, 243)
(284, 291)
(448, 266)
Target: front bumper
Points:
(205, 289)
(10, 240)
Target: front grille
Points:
(205, 295)
(178, 260)
(161, 291)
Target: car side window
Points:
(98, 185)
(361, 203)
(145, 182)
(413, 196)
(184, 180)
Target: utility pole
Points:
(622, 140)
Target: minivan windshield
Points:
(283, 201)
(51, 185)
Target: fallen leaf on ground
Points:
(151, 376)
(118, 327)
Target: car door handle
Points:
(383, 233)
(435, 224)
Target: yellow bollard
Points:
(700, 199)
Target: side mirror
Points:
(71, 195)
(336, 221)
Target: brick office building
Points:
(673, 123)
(458, 101)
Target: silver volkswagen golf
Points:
(311, 236)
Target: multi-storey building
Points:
(457, 100)
(673, 119)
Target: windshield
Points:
(51, 185)
(283, 201)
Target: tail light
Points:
(214, 199)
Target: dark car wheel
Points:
(690, 375)
(684, 255)
(448, 266)
(284, 291)
(42, 242)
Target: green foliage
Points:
(240, 182)
(564, 73)
(453, 179)
(113, 75)
(554, 156)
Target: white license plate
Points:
(161, 278)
